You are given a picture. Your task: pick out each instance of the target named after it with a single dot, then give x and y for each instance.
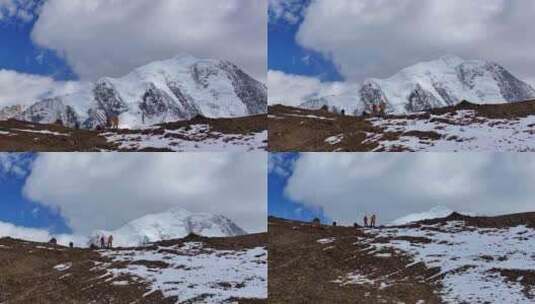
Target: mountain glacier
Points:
(439, 83)
(163, 91)
(172, 224)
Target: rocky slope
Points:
(455, 259)
(197, 134)
(508, 127)
(427, 85)
(163, 91)
(182, 271)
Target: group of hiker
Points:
(106, 242)
(369, 222)
(112, 122)
(54, 241)
(372, 221)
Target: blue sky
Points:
(17, 209)
(362, 39)
(286, 55)
(23, 56)
(81, 192)
(279, 204)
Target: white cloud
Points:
(25, 89)
(373, 38)
(280, 164)
(17, 232)
(293, 90)
(348, 185)
(39, 235)
(23, 10)
(104, 191)
(287, 10)
(14, 163)
(110, 38)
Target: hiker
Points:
(382, 109)
(110, 241)
(372, 221)
(365, 221)
(53, 241)
(102, 242)
(334, 224)
(113, 122)
(71, 245)
(316, 223)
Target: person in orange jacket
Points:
(110, 241)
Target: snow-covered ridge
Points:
(433, 213)
(172, 224)
(163, 91)
(426, 85)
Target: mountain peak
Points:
(452, 60)
(170, 90)
(171, 224)
(433, 84)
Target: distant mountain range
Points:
(439, 83)
(163, 91)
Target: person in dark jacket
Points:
(365, 221)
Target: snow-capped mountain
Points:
(426, 85)
(176, 89)
(172, 224)
(10, 111)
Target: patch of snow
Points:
(193, 271)
(333, 140)
(197, 138)
(467, 132)
(467, 257)
(63, 267)
(354, 278)
(309, 116)
(42, 132)
(326, 241)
